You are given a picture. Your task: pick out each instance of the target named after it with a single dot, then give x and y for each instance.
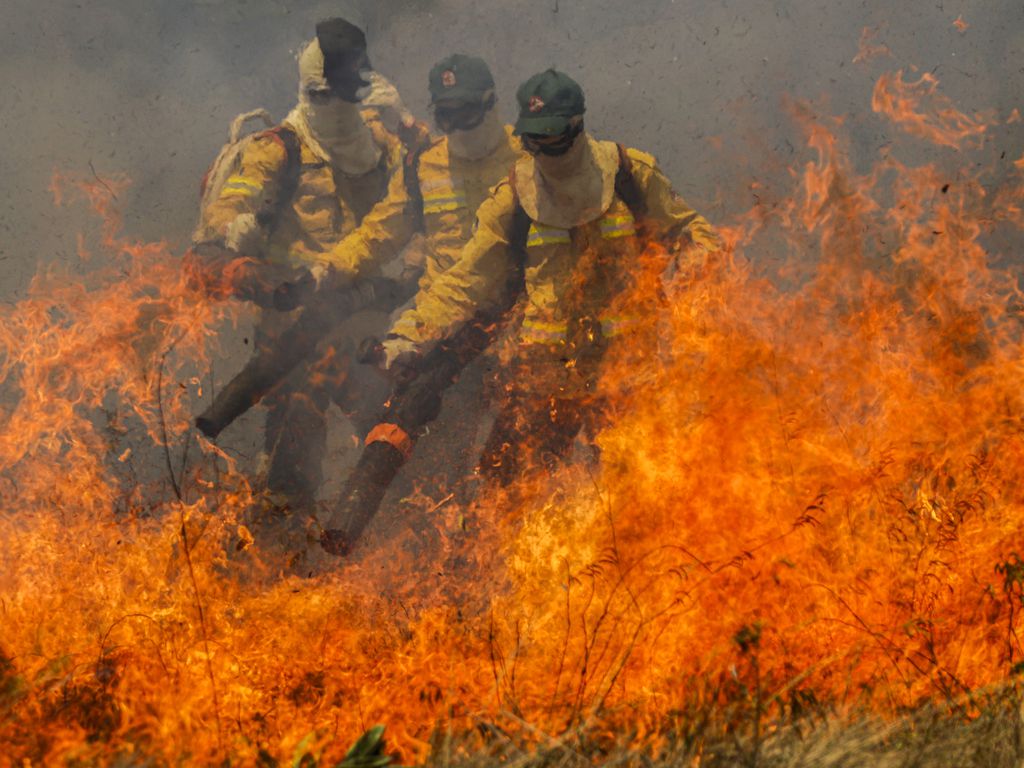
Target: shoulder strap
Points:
(627, 188)
(415, 138)
(517, 237)
(293, 151)
(520, 221)
(267, 216)
(411, 173)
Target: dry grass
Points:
(989, 738)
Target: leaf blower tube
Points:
(325, 310)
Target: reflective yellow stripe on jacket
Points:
(539, 332)
(239, 186)
(441, 195)
(616, 325)
(542, 235)
(618, 226)
(480, 274)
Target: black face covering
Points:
(347, 83)
(345, 58)
(461, 117)
(552, 146)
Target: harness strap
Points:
(411, 173)
(627, 188)
(269, 213)
(517, 237)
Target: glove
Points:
(289, 295)
(244, 234)
(294, 293)
(320, 272)
(401, 358)
(399, 353)
(207, 266)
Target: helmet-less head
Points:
(332, 80)
(344, 62)
(462, 99)
(569, 178)
(551, 108)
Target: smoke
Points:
(148, 89)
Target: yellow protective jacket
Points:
(553, 296)
(450, 188)
(325, 206)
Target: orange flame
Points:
(866, 50)
(921, 111)
(811, 475)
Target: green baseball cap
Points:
(547, 102)
(461, 78)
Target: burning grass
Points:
(808, 501)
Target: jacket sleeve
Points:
(673, 218)
(380, 235)
(253, 187)
(476, 280)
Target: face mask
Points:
(569, 189)
(461, 117)
(336, 128)
(348, 79)
(479, 141)
(330, 117)
(329, 120)
(565, 165)
(552, 146)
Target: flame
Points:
(939, 122)
(810, 484)
(866, 50)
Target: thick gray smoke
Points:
(147, 89)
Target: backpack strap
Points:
(415, 139)
(517, 237)
(269, 213)
(627, 188)
(411, 177)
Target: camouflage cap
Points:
(547, 102)
(461, 78)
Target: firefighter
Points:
(445, 181)
(445, 184)
(562, 230)
(298, 189)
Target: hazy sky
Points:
(148, 87)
